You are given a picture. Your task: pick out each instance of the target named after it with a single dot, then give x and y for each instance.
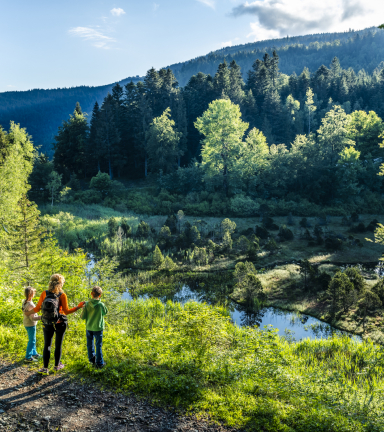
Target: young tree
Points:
(25, 245)
(223, 129)
(158, 258)
(162, 143)
(54, 185)
(311, 107)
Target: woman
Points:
(56, 293)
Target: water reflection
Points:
(291, 325)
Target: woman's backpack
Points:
(50, 308)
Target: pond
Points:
(292, 325)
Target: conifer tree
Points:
(108, 134)
(158, 258)
(25, 245)
(236, 83)
(222, 81)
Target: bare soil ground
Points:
(33, 403)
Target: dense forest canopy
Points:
(42, 111)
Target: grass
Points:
(192, 357)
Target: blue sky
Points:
(49, 44)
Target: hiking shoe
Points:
(31, 360)
(59, 366)
(101, 366)
(37, 356)
(43, 371)
(93, 360)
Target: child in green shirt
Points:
(93, 314)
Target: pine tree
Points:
(108, 134)
(274, 67)
(158, 258)
(311, 107)
(222, 81)
(93, 152)
(26, 239)
(236, 83)
(71, 144)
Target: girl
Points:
(30, 323)
(55, 287)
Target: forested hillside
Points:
(42, 111)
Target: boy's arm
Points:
(105, 309)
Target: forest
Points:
(250, 190)
(360, 50)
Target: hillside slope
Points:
(42, 111)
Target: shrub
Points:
(262, 233)
(101, 182)
(285, 233)
(228, 225)
(171, 223)
(112, 227)
(333, 243)
(243, 206)
(271, 245)
(168, 264)
(372, 225)
(89, 197)
(143, 230)
(354, 217)
(126, 227)
(242, 244)
(227, 241)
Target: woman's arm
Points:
(64, 305)
(38, 306)
(37, 318)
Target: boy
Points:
(93, 314)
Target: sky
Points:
(50, 44)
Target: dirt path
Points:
(34, 403)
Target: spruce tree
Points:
(158, 258)
(26, 237)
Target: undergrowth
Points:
(193, 357)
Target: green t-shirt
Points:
(93, 314)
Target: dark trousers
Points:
(98, 337)
(49, 331)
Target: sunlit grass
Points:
(194, 358)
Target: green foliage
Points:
(158, 258)
(143, 230)
(101, 183)
(112, 227)
(162, 143)
(223, 129)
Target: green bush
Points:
(89, 196)
(243, 206)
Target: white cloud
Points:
(226, 44)
(117, 11)
(209, 3)
(155, 7)
(277, 18)
(87, 33)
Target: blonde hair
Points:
(56, 283)
(27, 292)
